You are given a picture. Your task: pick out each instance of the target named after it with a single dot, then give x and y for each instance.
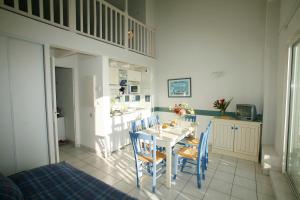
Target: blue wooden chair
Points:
(195, 156)
(190, 118)
(147, 159)
(190, 140)
(206, 149)
(152, 121)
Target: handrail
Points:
(96, 19)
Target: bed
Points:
(57, 181)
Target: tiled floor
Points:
(226, 177)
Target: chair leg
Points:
(206, 159)
(198, 181)
(203, 164)
(198, 173)
(183, 164)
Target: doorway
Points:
(293, 151)
(64, 84)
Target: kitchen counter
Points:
(119, 127)
(117, 114)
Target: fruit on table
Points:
(165, 126)
(173, 123)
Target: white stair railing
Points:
(102, 21)
(92, 18)
(140, 37)
(53, 12)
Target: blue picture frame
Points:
(180, 87)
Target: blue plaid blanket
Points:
(62, 181)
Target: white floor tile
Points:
(220, 186)
(245, 182)
(224, 176)
(215, 195)
(243, 193)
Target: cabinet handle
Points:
(236, 128)
(232, 128)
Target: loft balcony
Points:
(95, 19)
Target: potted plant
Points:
(222, 105)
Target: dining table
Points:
(168, 137)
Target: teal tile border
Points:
(203, 112)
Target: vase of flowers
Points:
(181, 110)
(222, 105)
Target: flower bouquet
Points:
(222, 105)
(182, 109)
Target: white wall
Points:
(200, 38)
(289, 29)
(64, 99)
(270, 71)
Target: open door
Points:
(54, 108)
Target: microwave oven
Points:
(133, 89)
(246, 112)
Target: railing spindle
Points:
(100, 20)
(145, 40)
(95, 20)
(88, 13)
(29, 7)
(81, 15)
(42, 9)
(129, 31)
(61, 12)
(51, 11)
(111, 26)
(121, 29)
(116, 27)
(106, 22)
(16, 4)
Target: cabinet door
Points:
(114, 76)
(247, 139)
(223, 135)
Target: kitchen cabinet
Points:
(236, 138)
(113, 76)
(135, 76)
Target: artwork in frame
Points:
(180, 87)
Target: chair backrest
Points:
(143, 145)
(190, 118)
(208, 129)
(202, 146)
(138, 125)
(152, 121)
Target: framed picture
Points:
(180, 87)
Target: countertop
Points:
(117, 114)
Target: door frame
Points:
(73, 99)
(287, 102)
(286, 144)
(75, 103)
